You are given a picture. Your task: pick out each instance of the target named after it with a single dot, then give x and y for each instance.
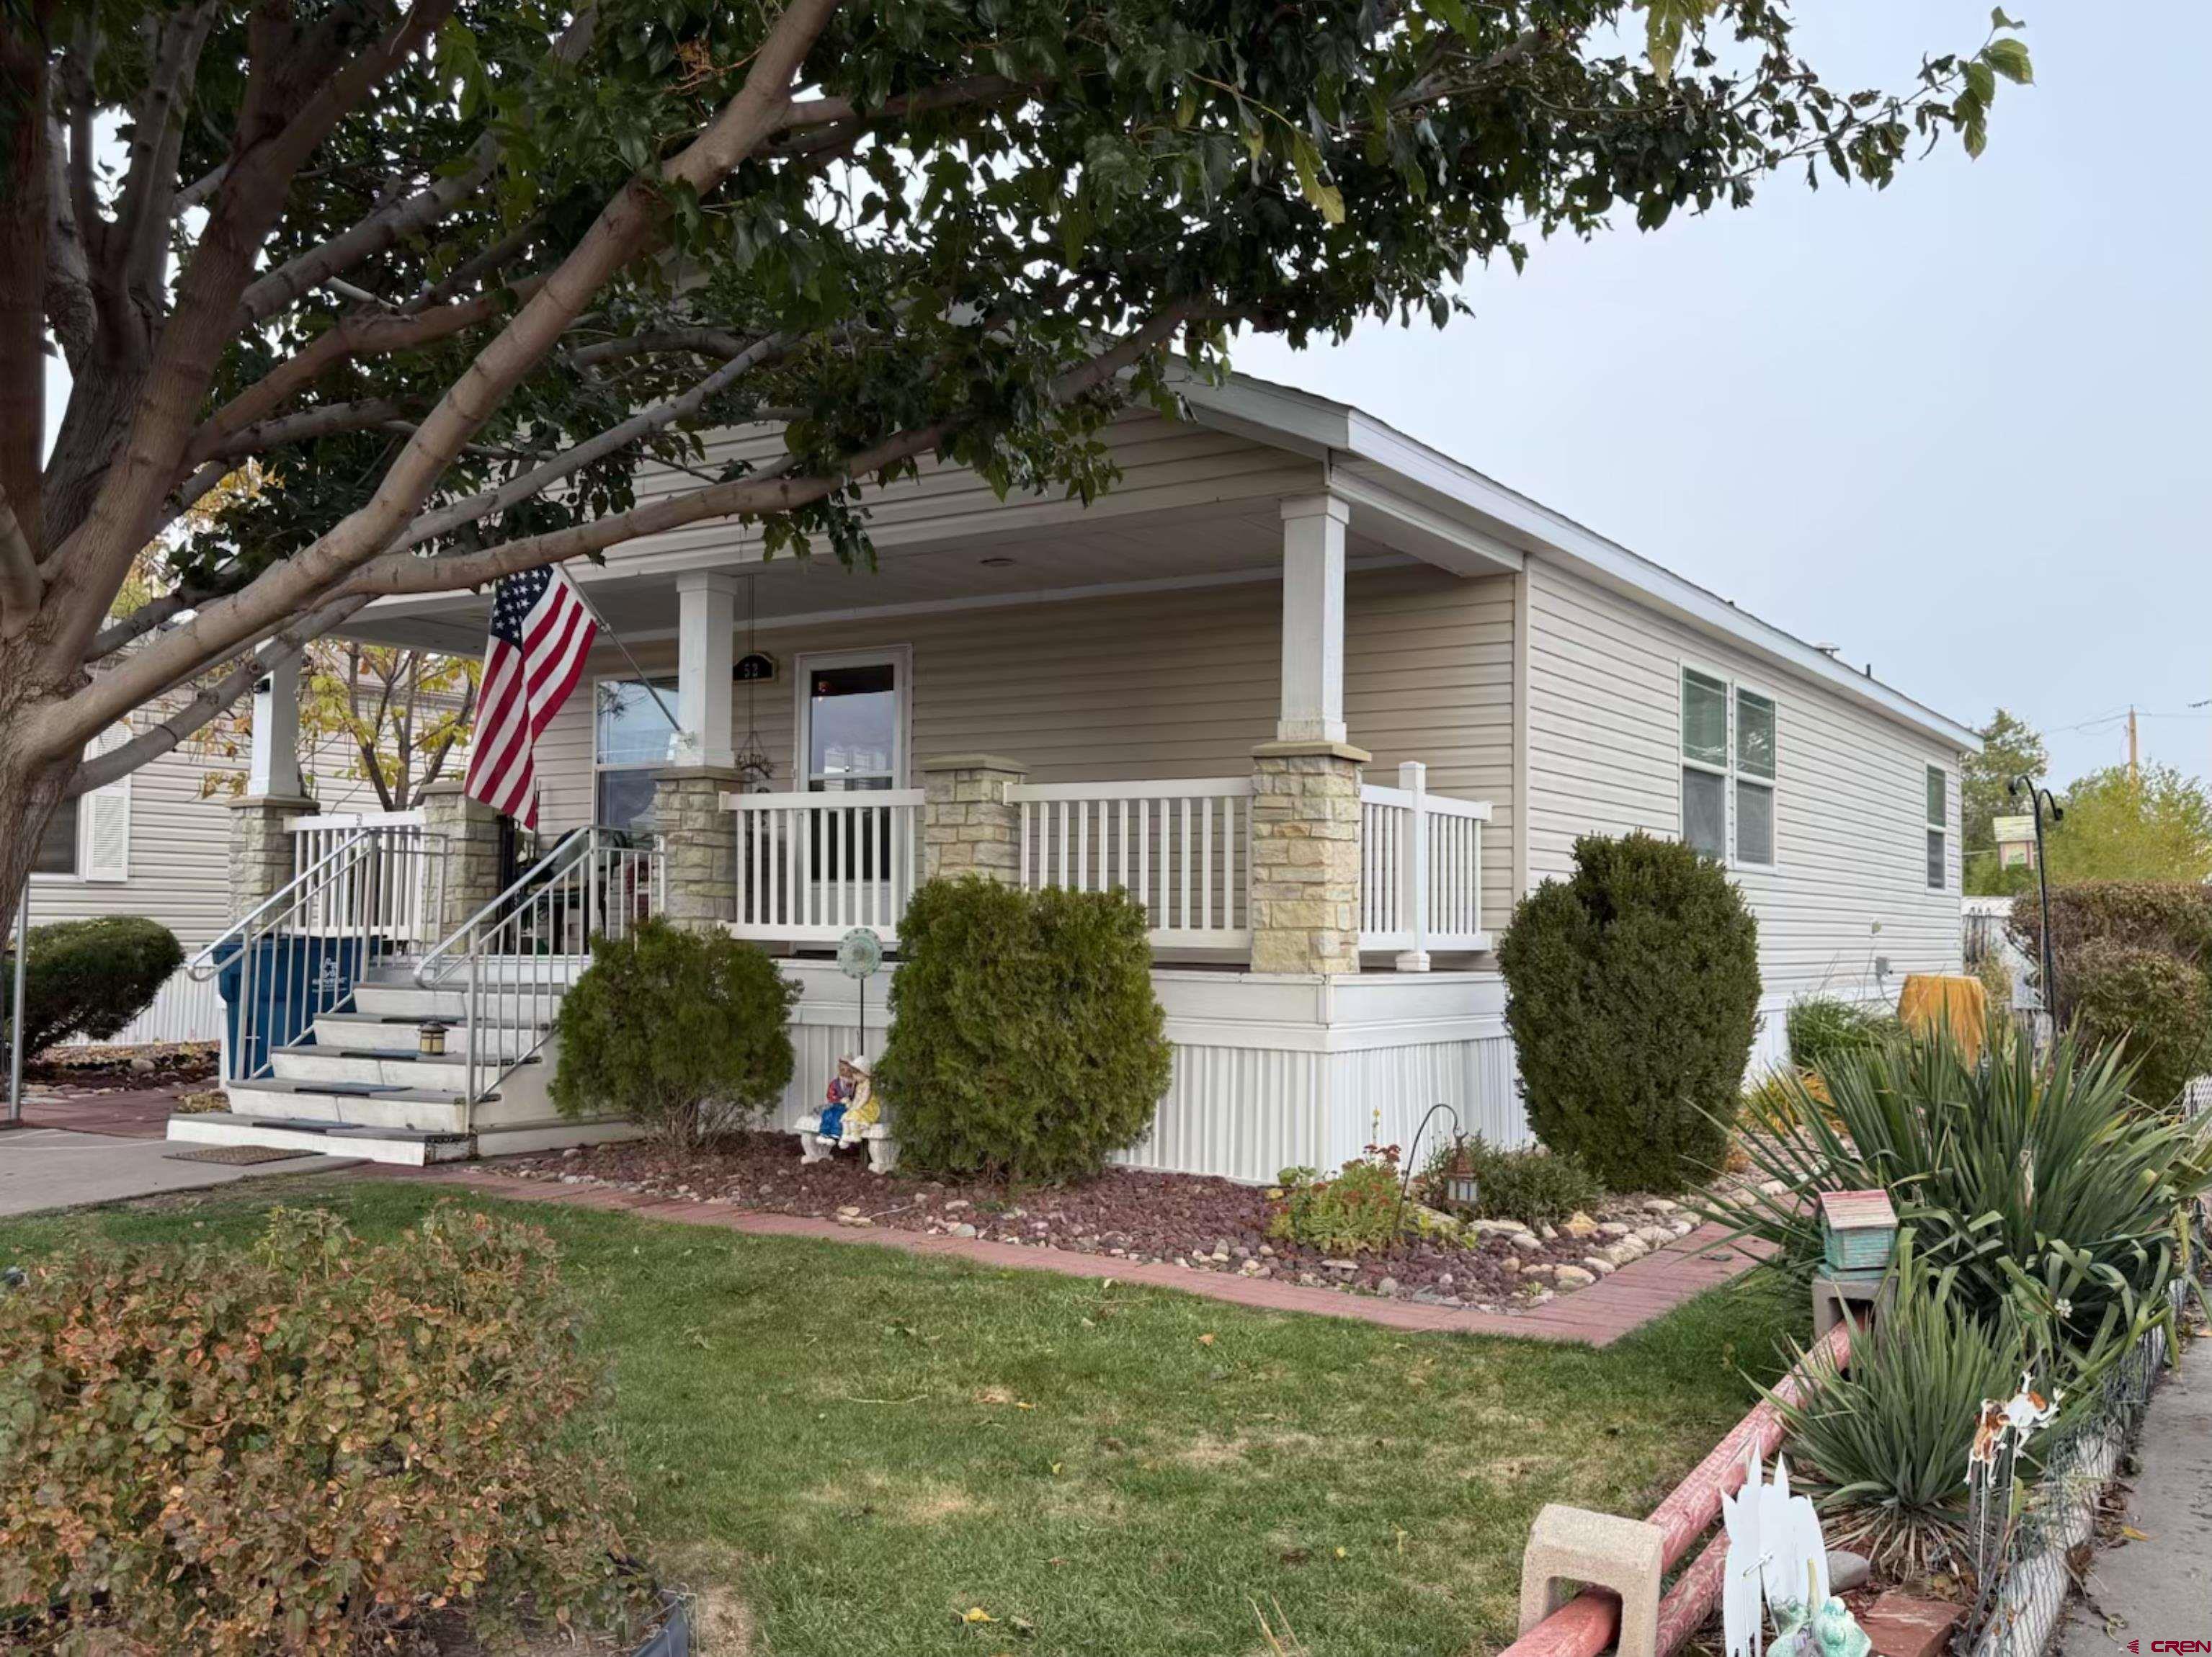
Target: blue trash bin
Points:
(272, 989)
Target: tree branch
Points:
(950, 94)
(143, 219)
(430, 525)
(626, 227)
(207, 705)
(707, 342)
(142, 621)
(377, 332)
(757, 493)
(20, 584)
(324, 421)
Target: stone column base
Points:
(970, 825)
(461, 861)
(698, 845)
(1306, 857)
(261, 847)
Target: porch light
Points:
(430, 1039)
(1462, 1191)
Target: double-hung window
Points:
(630, 733)
(1728, 770)
(1939, 823)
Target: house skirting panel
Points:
(1270, 1072)
(182, 1010)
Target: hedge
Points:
(91, 977)
(1632, 993)
(1025, 1039)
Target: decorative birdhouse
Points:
(430, 1039)
(1462, 1192)
(1858, 1230)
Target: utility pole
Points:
(2135, 775)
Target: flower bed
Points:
(1202, 1223)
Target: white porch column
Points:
(273, 770)
(706, 635)
(1413, 873)
(1313, 620)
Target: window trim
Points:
(1932, 829)
(899, 658)
(116, 795)
(667, 688)
(1730, 773)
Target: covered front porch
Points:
(1272, 703)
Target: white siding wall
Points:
(1162, 685)
(1604, 755)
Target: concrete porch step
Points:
(398, 971)
(377, 1068)
(371, 1105)
(411, 1147)
(369, 1032)
(503, 1004)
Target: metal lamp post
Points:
(2037, 800)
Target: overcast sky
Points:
(1957, 428)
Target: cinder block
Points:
(1571, 1545)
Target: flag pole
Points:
(651, 689)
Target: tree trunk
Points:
(29, 792)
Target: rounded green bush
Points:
(2156, 1006)
(1025, 1041)
(1632, 991)
(90, 978)
(681, 1032)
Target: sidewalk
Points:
(2140, 1594)
(43, 1167)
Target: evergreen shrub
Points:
(1025, 1039)
(1633, 997)
(90, 978)
(683, 1033)
(1531, 1185)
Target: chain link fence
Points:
(2029, 1545)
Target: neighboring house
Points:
(1216, 686)
(157, 844)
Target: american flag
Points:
(540, 633)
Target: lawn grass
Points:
(865, 1444)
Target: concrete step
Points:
(500, 1005)
(411, 1147)
(367, 1067)
(398, 971)
(350, 1105)
(370, 1032)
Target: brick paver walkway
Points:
(136, 1113)
(1596, 1316)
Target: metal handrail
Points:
(490, 947)
(301, 952)
(202, 966)
(424, 979)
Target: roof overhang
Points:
(1440, 509)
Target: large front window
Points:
(1729, 744)
(630, 736)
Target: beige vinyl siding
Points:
(180, 857)
(1180, 683)
(1164, 465)
(1850, 880)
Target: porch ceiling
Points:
(1223, 542)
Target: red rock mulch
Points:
(1200, 1223)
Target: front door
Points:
(852, 740)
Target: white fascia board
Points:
(1294, 419)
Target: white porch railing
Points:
(396, 889)
(1180, 848)
(812, 866)
(1421, 870)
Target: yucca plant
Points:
(1882, 1448)
(2042, 1182)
